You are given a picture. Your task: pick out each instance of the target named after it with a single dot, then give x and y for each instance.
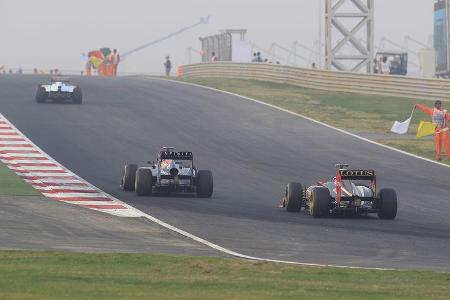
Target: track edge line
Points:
(304, 117)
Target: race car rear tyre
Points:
(320, 204)
(144, 182)
(129, 177)
(294, 197)
(41, 94)
(205, 184)
(387, 207)
(77, 95)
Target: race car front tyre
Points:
(387, 207)
(41, 94)
(129, 177)
(77, 96)
(294, 197)
(320, 204)
(144, 182)
(205, 184)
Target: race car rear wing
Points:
(59, 79)
(181, 155)
(356, 174)
(345, 174)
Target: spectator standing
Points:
(258, 57)
(88, 67)
(115, 62)
(255, 58)
(168, 66)
(385, 66)
(213, 57)
(375, 66)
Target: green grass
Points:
(50, 275)
(355, 112)
(420, 147)
(13, 185)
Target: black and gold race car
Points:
(351, 192)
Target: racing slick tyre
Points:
(77, 97)
(387, 207)
(320, 204)
(129, 177)
(41, 94)
(144, 182)
(204, 184)
(294, 197)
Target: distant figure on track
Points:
(168, 66)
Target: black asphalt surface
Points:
(253, 151)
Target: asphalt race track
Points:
(253, 151)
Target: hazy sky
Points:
(53, 33)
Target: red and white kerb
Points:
(52, 179)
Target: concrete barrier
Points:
(372, 84)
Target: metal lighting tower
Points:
(362, 13)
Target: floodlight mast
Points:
(363, 53)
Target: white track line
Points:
(237, 254)
(51, 182)
(14, 142)
(307, 118)
(15, 147)
(29, 162)
(65, 187)
(84, 203)
(42, 174)
(30, 156)
(35, 168)
(74, 194)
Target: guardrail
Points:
(372, 84)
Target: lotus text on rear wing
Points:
(357, 173)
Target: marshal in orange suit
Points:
(439, 117)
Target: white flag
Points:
(402, 127)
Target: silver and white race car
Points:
(173, 172)
(59, 90)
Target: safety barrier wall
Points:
(372, 84)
